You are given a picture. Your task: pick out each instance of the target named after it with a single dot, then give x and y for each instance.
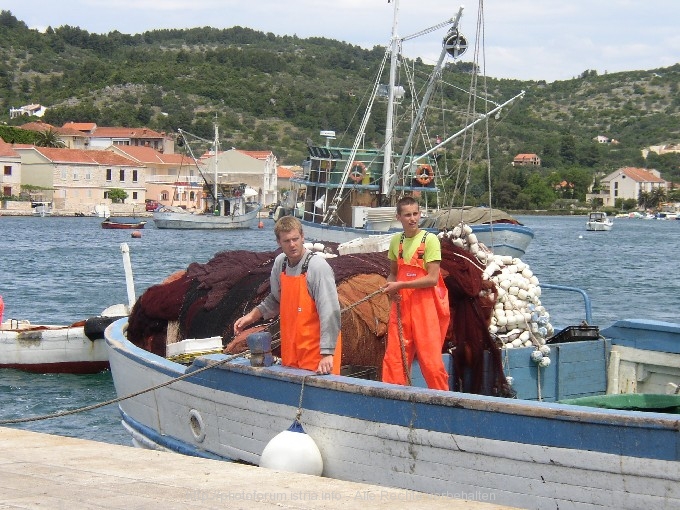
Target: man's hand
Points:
(325, 365)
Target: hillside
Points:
(273, 92)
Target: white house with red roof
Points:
(101, 138)
(257, 169)
(627, 183)
(171, 179)
(10, 177)
(72, 138)
(526, 160)
(77, 180)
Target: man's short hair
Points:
(404, 202)
(287, 224)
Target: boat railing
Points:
(586, 298)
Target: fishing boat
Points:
(77, 348)
(231, 205)
(599, 222)
(573, 417)
(344, 193)
(115, 223)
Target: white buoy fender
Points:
(294, 451)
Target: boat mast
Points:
(389, 127)
(216, 147)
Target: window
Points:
(109, 173)
(7, 191)
(134, 195)
(75, 174)
(122, 175)
(134, 176)
(8, 170)
(164, 195)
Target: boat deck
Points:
(48, 471)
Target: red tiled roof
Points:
(85, 157)
(122, 132)
(256, 154)
(283, 172)
(525, 156)
(83, 127)
(7, 150)
(151, 155)
(40, 126)
(640, 175)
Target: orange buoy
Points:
(136, 234)
(260, 225)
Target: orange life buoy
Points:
(424, 174)
(358, 171)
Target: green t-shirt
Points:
(433, 249)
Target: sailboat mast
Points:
(389, 124)
(216, 146)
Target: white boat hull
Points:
(501, 238)
(504, 451)
(183, 220)
(599, 226)
(51, 349)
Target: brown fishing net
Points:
(478, 365)
(206, 299)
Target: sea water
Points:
(61, 270)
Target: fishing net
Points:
(478, 365)
(206, 299)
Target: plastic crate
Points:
(575, 334)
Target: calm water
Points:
(62, 270)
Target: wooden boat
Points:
(232, 203)
(344, 193)
(111, 223)
(599, 222)
(77, 348)
(548, 447)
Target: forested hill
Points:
(275, 92)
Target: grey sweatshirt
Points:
(321, 286)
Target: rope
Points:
(167, 383)
(120, 399)
(402, 344)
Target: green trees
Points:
(117, 195)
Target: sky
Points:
(523, 39)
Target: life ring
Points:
(424, 174)
(358, 171)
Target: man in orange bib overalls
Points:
(302, 290)
(419, 295)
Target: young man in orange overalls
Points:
(302, 290)
(417, 291)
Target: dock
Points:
(48, 471)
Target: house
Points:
(72, 138)
(283, 175)
(77, 180)
(526, 160)
(668, 148)
(626, 183)
(10, 177)
(257, 169)
(601, 139)
(101, 138)
(171, 179)
(35, 110)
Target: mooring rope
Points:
(166, 383)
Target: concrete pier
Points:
(54, 472)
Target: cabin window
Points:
(109, 175)
(8, 170)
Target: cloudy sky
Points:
(524, 39)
